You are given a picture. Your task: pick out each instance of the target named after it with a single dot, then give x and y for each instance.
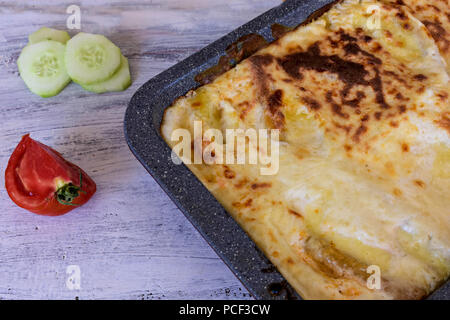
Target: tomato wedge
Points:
(40, 180)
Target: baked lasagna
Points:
(360, 98)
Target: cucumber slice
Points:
(41, 66)
(45, 33)
(118, 82)
(91, 58)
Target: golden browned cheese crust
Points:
(364, 168)
(435, 15)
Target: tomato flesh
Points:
(35, 173)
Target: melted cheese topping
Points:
(364, 168)
(435, 15)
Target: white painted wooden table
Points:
(130, 241)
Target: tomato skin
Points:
(34, 174)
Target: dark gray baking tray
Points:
(142, 123)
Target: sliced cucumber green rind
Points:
(118, 82)
(45, 33)
(42, 68)
(91, 58)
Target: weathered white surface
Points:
(130, 240)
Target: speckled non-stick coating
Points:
(142, 122)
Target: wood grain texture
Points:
(130, 241)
